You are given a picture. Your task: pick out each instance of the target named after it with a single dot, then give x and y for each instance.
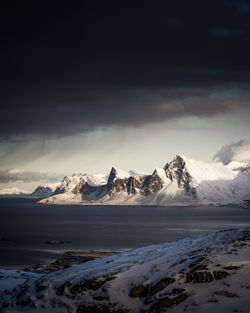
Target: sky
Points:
(124, 83)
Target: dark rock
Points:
(33, 305)
(118, 185)
(42, 191)
(139, 291)
(93, 192)
(231, 267)
(225, 293)
(149, 291)
(39, 287)
(199, 277)
(152, 183)
(177, 291)
(200, 267)
(100, 308)
(196, 262)
(167, 302)
(61, 289)
(162, 284)
(101, 298)
(220, 274)
(56, 242)
(21, 293)
(92, 284)
(213, 300)
(134, 183)
(177, 170)
(24, 302)
(5, 304)
(182, 261)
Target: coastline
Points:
(67, 259)
(195, 274)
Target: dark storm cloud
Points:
(14, 175)
(101, 108)
(65, 71)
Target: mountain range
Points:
(182, 181)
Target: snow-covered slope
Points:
(182, 181)
(44, 190)
(208, 273)
(202, 171)
(71, 187)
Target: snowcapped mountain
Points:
(44, 190)
(182, 181)
(72, 187)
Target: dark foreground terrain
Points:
(208, 273)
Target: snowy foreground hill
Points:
(208, 273)
(180, 182)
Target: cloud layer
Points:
(236, 151)
(121, 63)
(90, 109)
(14, 175)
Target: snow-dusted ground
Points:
(208, 273)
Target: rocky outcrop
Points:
(177, 170)
(44, 191)
(90, 189)
(81, 184)
(189, 275)
(135, 184)
(152, 183)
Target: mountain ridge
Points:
(182, 181)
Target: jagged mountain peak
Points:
(176, 169)
(115, 173)
(44, 190)
(161, 173)
(76, 181)
(181, 181)
(176, 163)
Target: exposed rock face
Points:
(89, 188)
(135, 184)
(186, 276)
(78, 188)
(75, 183)
(42, 191)
(177, 170)
(152, 183)
(118, 185)
(79, 184)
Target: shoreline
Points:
(67, 259)
(199, 274)
(62, 260)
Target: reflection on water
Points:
(28, 225)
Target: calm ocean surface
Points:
(27, 225)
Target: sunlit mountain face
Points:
(128, 85)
